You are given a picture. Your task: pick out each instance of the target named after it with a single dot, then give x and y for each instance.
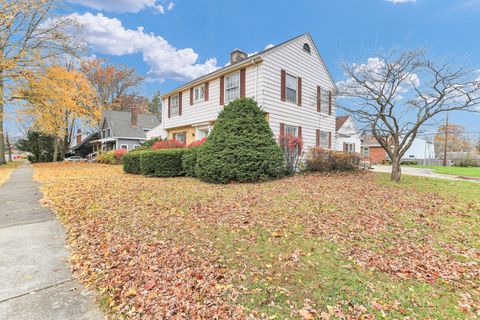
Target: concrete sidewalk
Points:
(35, 277)
(422, 172)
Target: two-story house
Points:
(123, 130)
(289, 81)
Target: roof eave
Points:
(254, 59)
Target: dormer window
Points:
(306, 47)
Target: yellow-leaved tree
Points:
(56, 100)
(30, 35)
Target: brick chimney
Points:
(237, 55)
(79, 136)
(134, 121)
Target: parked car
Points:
(75, 159)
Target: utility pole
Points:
(446, 142)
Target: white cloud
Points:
(108, 36)
(122, 6)
(268, 46)
(401, 1)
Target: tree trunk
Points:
(55, 149)
(396, 169)
(2, 144)
(9, 148)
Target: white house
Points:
(289, 81)
(347, 137)
(419, 150)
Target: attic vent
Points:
(306, 47)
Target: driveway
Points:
(35, 277)
(422, 172)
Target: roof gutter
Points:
(254, 60)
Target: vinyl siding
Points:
(205, 111)
(349, 129)
(290, 57)
(294, 60)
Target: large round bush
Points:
(241, 147)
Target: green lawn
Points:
(457, 171)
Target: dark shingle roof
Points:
(119, 123)
(340, 121)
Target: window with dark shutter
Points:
(206, 91)
(169, 106)
(283, 83)
(222, 99)
(299, 100)
(242, 83)
(319, 98)
(330, 102)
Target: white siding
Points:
(205, 111)
(290, 57)
(420, 149)
(348, 133)
(158, 131)
(294, 60)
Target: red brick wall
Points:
(376, 154)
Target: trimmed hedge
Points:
(162, 163)
(241, 147)
(131, 162)
(189, 161)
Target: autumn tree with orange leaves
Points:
(56, 100)
(30, 35)
(116, 85)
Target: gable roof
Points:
(254, 57)
(340, 121)
(119, 123)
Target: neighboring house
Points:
(123, 130)
(420, 150)
(347, 135)
(372, 150)
(81, 145)
(290, 82)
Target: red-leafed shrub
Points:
(292, 148)
(197, 143)
(118, 154)
(167, 144)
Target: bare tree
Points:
(30, 35)
(396, 92)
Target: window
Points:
(349, 147)
(104, 133)
(324, 139)
(291, 130)
(108, 132)
(232, 87)
(199, 93)
(291, 88)
(136, 146)
(325, 100)
(366, 151)
(306, 47)
(124, 146)
(180, 136)
(174, 105)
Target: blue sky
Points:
(170, 41)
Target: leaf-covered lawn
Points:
(6, 170)
(313, 246)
